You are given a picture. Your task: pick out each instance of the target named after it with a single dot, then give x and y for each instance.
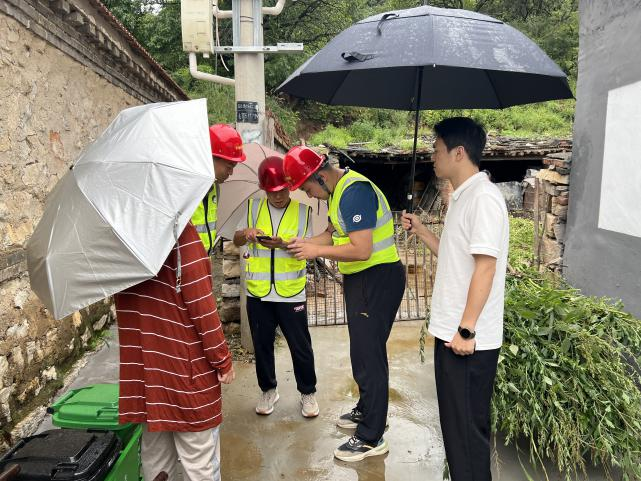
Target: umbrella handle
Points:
(410, 190)
(178, 260)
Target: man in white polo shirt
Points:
(466, 315)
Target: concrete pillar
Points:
(251, 122)
(249, 71)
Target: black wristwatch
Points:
(466, 333)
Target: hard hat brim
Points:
(240, 159)
(276, 188)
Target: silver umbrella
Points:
(112, 220)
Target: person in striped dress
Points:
(173, 359)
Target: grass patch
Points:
(565, 380)
(383, 128)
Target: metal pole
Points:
(419, 86)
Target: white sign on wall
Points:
(620, 207)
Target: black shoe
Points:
(350, 420)
(356, 450)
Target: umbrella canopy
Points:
(111, 221)
(243, 185)
(429, 58)
(466, 59)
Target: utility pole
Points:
(197, 18)
(250, 73)
(197, 22)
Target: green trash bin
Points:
(91, 407)
(127, 467)
(96, 407)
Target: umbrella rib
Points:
(241, 205)
(153, 162)
(498, 99)
(331, 100)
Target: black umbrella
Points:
(429, 58)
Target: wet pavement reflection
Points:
(284, 445)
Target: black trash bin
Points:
(64, 455)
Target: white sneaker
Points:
(266, 402)
(310, 406)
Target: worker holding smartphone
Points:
(275, 284)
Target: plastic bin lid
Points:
(64, 455)
(91, 407)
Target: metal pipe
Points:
(275, 10)
(193, 70)
(419, 87)
(220, 13)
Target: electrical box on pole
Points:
(197, 25)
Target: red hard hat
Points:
(299, 164)
(271, 177)
(226, 143)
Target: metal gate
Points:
(325, 299)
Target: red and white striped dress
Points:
(172, 346)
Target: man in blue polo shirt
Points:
(361, 238)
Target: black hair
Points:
(465, 132)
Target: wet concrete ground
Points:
(286, 446)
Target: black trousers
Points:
(464, 386)
(264, 317)
(372, 298)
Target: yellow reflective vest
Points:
(276, 267)
(384, 248)
(205, 217)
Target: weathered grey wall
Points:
(50, 108)
(598, 261)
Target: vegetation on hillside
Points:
(553, 24)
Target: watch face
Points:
(465, 333)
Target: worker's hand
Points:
(411, 223)
(273, 243)
(460, 346)
(228, 377)
(289, 242)
(303, 250)
(251, 233)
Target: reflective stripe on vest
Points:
(206, 228)
(384, 246)
(267, 267)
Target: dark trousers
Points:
(464, 386)
(264, 317)
(372, 298)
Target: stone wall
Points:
(551, 210)
(230, 306)
(50, 108)
(66, 70)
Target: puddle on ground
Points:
(240, 456)
(405, 346)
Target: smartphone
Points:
(263, 237)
